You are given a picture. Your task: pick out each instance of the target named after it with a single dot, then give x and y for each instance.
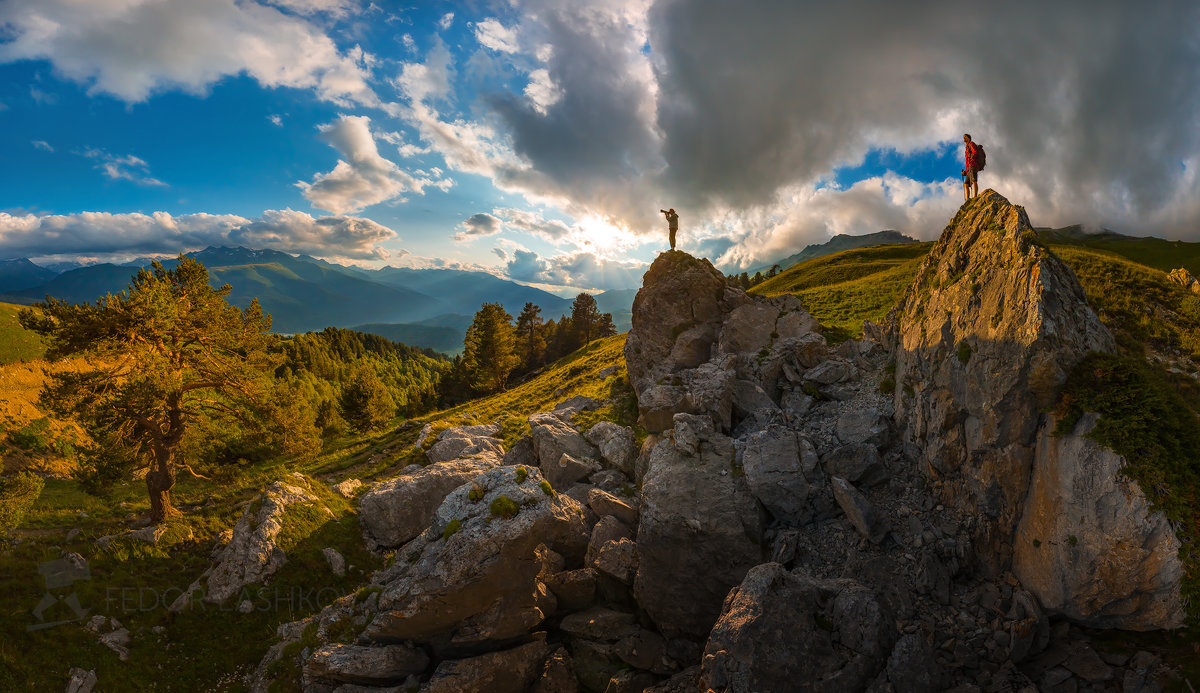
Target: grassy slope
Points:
(844, 289)
(212, 648)
(1152, 252)
(16, 343)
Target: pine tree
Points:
(607, 328)
(489, 348)
(531, 344)
(585, 317)
(365, 403)
(165, 355)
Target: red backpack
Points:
(980, 156)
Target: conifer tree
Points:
(165, 354)
(365, 403)
(489, 348)
(531, 344)
(585, 317)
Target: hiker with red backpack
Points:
(975, 162)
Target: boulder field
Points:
(883, 514)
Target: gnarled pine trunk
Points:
(159, 481)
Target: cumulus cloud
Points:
(579, 270)
(362, 177)
(628, 108)
(1080, 122)
(478, 225)
(103, 233)
(446, 21)
(131, 49)
(492, 34)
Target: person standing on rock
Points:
(974, 166)
(672, 223)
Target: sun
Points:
(602, 238)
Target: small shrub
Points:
(451, 529)
(475, 494)
(964, 352)
(908, 390)
(504, 507)
(522, 474)
(17, 495)
(1037, 543)
(547, 488)
(1072, 540)
(887, 386)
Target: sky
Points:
(538, 139)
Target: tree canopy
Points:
(164, 355)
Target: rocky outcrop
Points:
(368, 666)
(460, 442)
(395, 511)
(780, 631)
(781, 469)
(474, 578)
(699, 531)
(252, 554)
(617, 445)
(1185, 279)
(701, 346)
(981, 340)
(1088, 545)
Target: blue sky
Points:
(538, 139)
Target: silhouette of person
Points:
(971, 172)
(672, 223)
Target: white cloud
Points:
(102, 233)
(446, 21)
(362, 177)
(42, 145)
(532, 222)
(276, 119)
(492, 34)
(132, 49)
(128, 167)
(579, 270)
(541, 91)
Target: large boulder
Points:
(617, 445)
(368, 666)
(457, 442)
(677, 316)
(700, 346)
(475, 579)
(395, 511)
(780, 631)
(507, 671)
(1088, 545)
(982, 339)
(699, 529)
(253, 553)
(552, 438)
(780, 469)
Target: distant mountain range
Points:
(421, 307)
(836, 244)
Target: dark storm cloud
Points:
(1087, 107)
